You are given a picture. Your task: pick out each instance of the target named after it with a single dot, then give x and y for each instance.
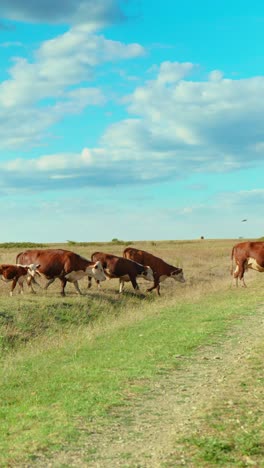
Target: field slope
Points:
(136, 381)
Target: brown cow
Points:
(122, 268)
(62, 264)
(247, 255)
(161, 269)
(17, 274)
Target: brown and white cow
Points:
(122, 268)
(247, 255)
(17, 274)
(63, 264)
(161, 269)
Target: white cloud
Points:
(186, 127)
(66, 60)
(27, 126)
(38, 94)
(243, 198)
(171, 72)
(215, 75)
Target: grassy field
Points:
(67, 362)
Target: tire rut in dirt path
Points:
(143, 433)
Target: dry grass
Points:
(62, 342)
(206, 264)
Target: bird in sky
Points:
(243, 220)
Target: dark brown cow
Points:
(161, 269)
(17, 274)
(247, 255)
(122, 268)
(62, 264)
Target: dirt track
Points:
(147, 431)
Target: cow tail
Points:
(232, 261)
(18, 257)
(125, 254)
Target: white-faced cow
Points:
(161, 269)
(17, 274)
(62, 264)
(122, 268)
(247, 255)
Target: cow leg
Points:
(121, 286)
(14, 282)
(21, 287)
(76, 285)
(134, 283)
(235, 275)
(156, 286)
(239, 273)
(29, 282)
(89, 282)
(49, 282)
(63, 284)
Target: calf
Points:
(247, 255)
(161, 269)
(17, 274)
(122, 268)
(63, 264)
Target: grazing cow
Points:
(122, 268)
(247, 255)
(161, 269)
(62, 264)
(17, 274)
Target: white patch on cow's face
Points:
(178, 276)
(251, 263)
(147, 274)
(32, 269)
(97, 271)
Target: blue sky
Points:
(131, 119)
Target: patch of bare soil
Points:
(145, 433)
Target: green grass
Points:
(53, 387)
(230, 430)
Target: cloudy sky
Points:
(131, 119)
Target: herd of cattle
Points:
(70, 267)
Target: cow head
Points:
(98, 271)
(148, 273)
(177, 274)
(32, 269)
